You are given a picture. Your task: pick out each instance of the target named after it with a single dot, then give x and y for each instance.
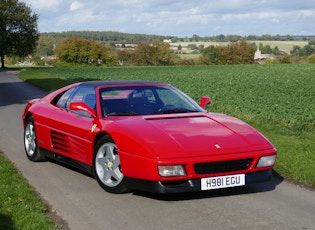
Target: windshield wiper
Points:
(177, 110)
(122, 114)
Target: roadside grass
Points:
(20, 207)
(43, 80)
(278, 100)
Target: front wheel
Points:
(30, 142)
(106, 166)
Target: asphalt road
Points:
(79, 200)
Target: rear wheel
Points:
(106, 166)
(30, 142)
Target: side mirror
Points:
(204, 101)
(81, 106)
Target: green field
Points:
(285, 46)
(278, 100)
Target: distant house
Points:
(258, 57)
(167, 40)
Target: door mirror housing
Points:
(204, 101)
(81, 106)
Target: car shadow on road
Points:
(18, 93)
(248, 189)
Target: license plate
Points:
(222, 182)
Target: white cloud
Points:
(307, 13)
(177, 17)
(76, 6)
(43, 4)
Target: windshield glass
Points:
(145, 100)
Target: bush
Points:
(311, 59)
(269, 61)
(38, 61)
(284, 60)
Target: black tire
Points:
(106, 166)
(30, 142)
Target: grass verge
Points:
(20, 207)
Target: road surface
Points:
(82, 204)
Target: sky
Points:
(181, 18)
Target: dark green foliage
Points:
(307, 50)
(18, 29)
(210, 55)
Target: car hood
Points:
(184, 135)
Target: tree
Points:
(79, 50)
(296, 50)
(312, 42)
(179, 48)
(210, 55)
(18, 29)
(240, 52)
(157, 53)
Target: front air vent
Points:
(222, 166)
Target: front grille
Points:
(222, 166)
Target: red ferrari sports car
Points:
(142, 135)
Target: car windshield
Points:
(145, 100)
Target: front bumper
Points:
(186, 185)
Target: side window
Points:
(62, 102)
(84, 94)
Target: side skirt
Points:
(67, 161)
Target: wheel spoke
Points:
(110, 152)
(101, 161)
(107, 177)
(108, 165)
(117, 175)
(31, 147)
(116, 162)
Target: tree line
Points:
(48, 41)
(83, 51)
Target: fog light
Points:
(171, 170)
(266, 161)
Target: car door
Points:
(71, 132)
